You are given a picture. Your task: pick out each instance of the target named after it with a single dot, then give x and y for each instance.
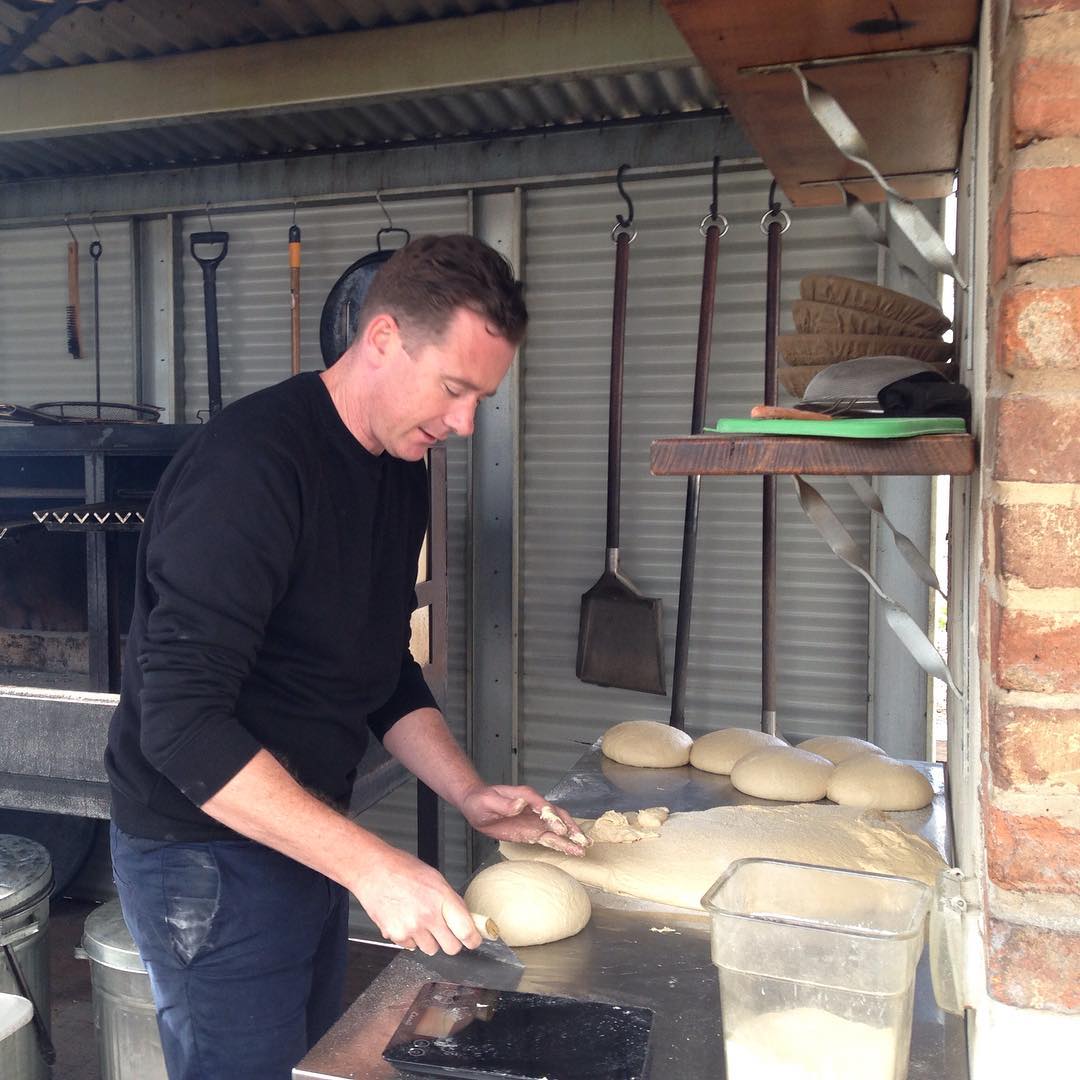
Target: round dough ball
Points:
(783, 773)
(647, 744)
(531, 902)
(873, 782)
(718, 751)
(838, 748)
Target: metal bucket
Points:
(128, 1043)
(25, 884)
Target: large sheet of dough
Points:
(693, 849)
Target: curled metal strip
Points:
(844, 547)
(847, 138)
(867, 223)
(907, 547)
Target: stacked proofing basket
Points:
(839, 318)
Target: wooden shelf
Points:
(742, 455)
(909, 103)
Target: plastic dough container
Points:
(817, 970)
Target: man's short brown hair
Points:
(425, 282)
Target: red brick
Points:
(1033, 967)
(1000, 243)
(1034, 747)
(1040, 328)
(1037, 439)
(1046, 98)
(1044, 214)
(1033, 854)
(1038, 544)
(1036, 651)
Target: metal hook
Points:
(294, 211)
(209, 220)
(628, 221)
(715, 188)
(93, 225)
(389, 219)
(775, 214)
(67, 222)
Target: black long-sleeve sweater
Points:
(274, 584)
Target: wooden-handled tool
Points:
(294, 293)
(487, 928)
(74, 326)
(779, 412)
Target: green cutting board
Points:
(898, 427)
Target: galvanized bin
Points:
(125, 1025)
(25, 884)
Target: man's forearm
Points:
(423, 743)
(263, 802)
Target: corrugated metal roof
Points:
(116, 30)
(135, 29)
(505, 109)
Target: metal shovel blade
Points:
(620, 636)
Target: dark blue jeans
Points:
(245, 949)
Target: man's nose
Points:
(461, 418)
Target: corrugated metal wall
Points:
(35, 365)
(822, 621)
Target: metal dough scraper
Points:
(491, 959)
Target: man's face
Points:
(431, 390)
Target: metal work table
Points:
(630, 953)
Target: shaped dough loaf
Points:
(532, 903)
(838, 748)
(782, 773)
(874, 782)
(718, 751)
(647, 744)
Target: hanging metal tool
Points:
(294, 290)
(620, 633)
(95, 254)
(713, 226)
(341, 310)
(774, 223)
(209, 265)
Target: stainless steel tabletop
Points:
(629, 953)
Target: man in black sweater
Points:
(275, 578)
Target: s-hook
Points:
(389, 227)
(624, 224)
(714, 217)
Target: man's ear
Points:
(379, 335)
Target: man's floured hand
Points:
(523, 816)
(414, 906)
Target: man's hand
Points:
(413, 905)
(522, 815)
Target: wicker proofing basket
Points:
(861, 295)
(800, 349)
(814, 317)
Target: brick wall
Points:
(1030, 647)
